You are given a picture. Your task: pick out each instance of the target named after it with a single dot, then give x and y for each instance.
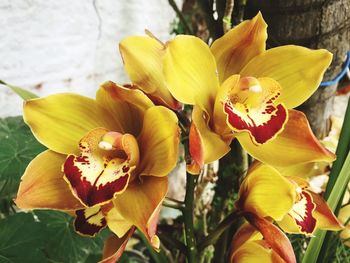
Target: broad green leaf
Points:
(17, 148)
(24, 94)
(21, 239)
(63, 244)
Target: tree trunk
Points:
(313, 24)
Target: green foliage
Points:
(24, 94)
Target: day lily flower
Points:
(263, 242)
(287, 200)
(107, 159)
(238, 89)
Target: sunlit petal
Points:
(298, 70)
(42, 185)
(238, 46)
(294, 145)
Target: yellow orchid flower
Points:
(262, 243)
(287, 200)
(238, 89)
(107, 159)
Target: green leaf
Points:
(17, 148)
(24, 94)
(63, 244)
(22, 239)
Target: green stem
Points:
(174, 205)
(181, 16)
(217, 232)
(188, 218)
(174, 243)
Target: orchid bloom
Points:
(107, 159)
(266, 193)
(263, 242)
(238, 89)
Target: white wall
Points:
(50, 46)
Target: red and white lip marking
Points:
(251, 107)
(301, 212)
(89, 221)
(97, 174)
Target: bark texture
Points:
(313, 24)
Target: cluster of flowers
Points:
(108, 159)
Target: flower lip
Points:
(103, 168)
(250, 106)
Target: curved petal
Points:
(324, 215)
(158, 142)
(140, 205)
(244, 234)
(89, 221)
(127, 106)
(214, 147)
(196, 151)
(298, 70)
(274, 237)
(265, 192)
(59, 121)
(190, 71)
(251, 107)
(238, 46)
(42, 185)
(255, 252)
(296, 144)
(114, 247)
(142, 57)
(97, 175)
(116, 223)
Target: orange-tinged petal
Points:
(255, 252)
(126, 105)
(142, 56)
(238, 46)
(190, 71)
(214, 147)
(265, 192)
(89, 221)
(324, 215)
(250, 107)
(196, 151)
(42, 185)
(244, 234)
(158, 142)
(219, 117)
(140, 205)
(294, 145)
(59, 121)
(97, 175)
(274, 237)
(298, 70)
(114, 247)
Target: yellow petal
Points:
(244, 234)
(42, 185)
(273, 237)
(140, 205)
(190, 71)
(265, 192)
(126, 105)
(60, 121)
(158, 142)
(296, 144)
(238, 46)
(114, 247)
(324, 215)
(142, 56)
(255, 252)
(116, 223)
(297, 69)
(214, 147)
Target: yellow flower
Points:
(287, 200)
(107, 159)
(263, 242)
(238, 89)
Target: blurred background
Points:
(58, 46)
